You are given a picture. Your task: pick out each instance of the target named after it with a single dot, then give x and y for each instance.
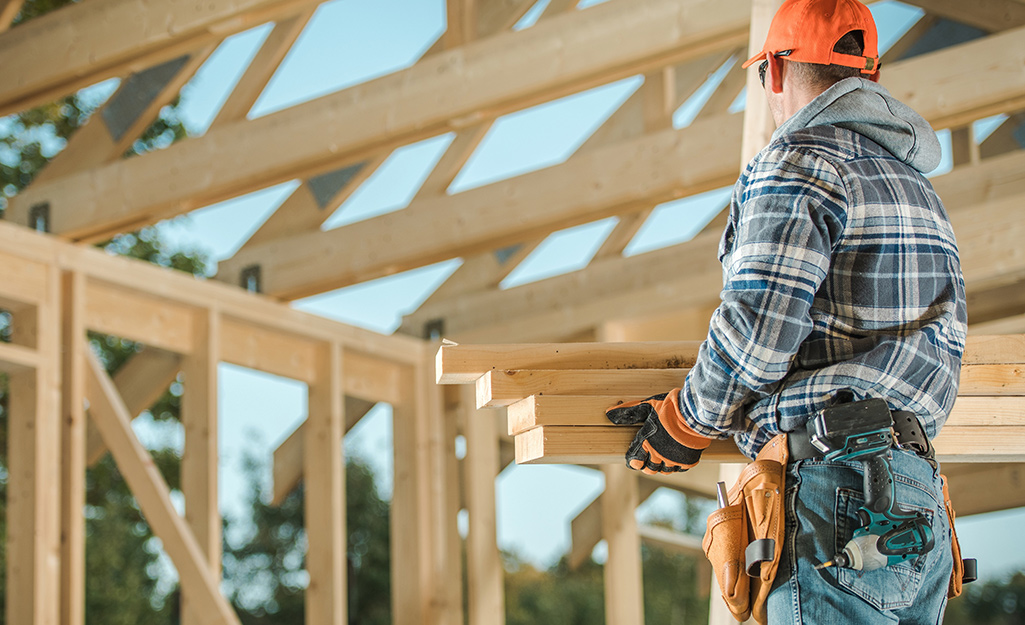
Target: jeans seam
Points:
(791, 538)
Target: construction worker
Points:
(841, 283)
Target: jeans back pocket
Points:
(891, 587)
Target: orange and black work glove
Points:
(665, 443)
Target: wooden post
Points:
(324, 470)
(485, 575)
(34, 468)
(199, 460)
(407, 514)
(426, 580)
(107, 410)
(73, 454)
(624, 597)
(443, 580)
(758, 122)
(964, 150)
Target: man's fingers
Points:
(629, 414)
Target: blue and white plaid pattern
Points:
(841, 282)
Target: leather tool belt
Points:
(744, 539)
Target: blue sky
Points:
(346, 43)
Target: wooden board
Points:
(501, 388)
(555, 444)
(461, 364)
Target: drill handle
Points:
(878, 483)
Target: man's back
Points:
(836, 215)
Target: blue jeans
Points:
(821, 500)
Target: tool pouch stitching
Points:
(755, 512)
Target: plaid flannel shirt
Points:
(841, 282)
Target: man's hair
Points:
(825, 76)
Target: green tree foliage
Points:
(264, 561)
(556, 595)
(994, 602)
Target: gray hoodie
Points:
(868, 109)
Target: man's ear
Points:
(775, 73)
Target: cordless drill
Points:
(889, 534)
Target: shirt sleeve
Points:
(787, 213)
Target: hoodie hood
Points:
(867, 108)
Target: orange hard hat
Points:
(808, 29)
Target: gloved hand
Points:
(665, 443)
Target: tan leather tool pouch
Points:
(744, 540)
(957, 575)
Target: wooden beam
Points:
(461, 364)
(128, 314)
(596, 445)
(586, 527)
(9, 10)
(989, 15)
(423, 523)
(636, 286)
(486, 270)
(1005, 138)
(324, 501)
(124, 117)
(980, 488)
(504, 213)
(501, 388)
(450, 89)
(18, 359)
(83, 44)
(984, 87)
(484, 571)
(254, 347)
(287, 465)
(154, 498)
(25, 280)
(73, 452)
(461, 17)
(624, 595)
(727, 91)
(990, 251)
(263, 66)
(199, 466)
(559, 306)
(1008, 325)
(314, 201)
(900, 47)
(628, 121)
(33, 540)
(178, 288)
(141, 382)
(671, 541)
(452, 161)
(607, 445)
(963, 148)
(555, 7)
(497, 15)
(624, 232)
(758, 121)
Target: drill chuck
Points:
(861, 553)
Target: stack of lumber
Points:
(557, 393)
